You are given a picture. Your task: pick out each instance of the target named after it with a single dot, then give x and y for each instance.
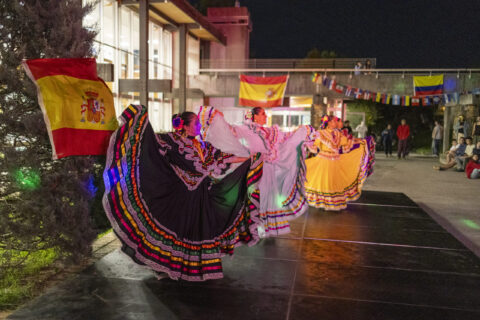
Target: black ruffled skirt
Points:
(173, 213)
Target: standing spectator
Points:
(362, 130)
(368, 66)
(476, 131)
(387, 138)
(358, 67)
(437, 137)
(346, 125)
(461, 127)
(473, 168)
(403, 132)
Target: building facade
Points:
(175, 33)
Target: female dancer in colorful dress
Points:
(336, 174)
(280, 188)
(355, 143)
(177, 204)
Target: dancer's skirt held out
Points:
(281, 187)
(333, 182)
(175, 208)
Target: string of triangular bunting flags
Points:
(385, 98)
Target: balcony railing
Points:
(340, 63)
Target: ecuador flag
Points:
(77, 105)
(428, 85)
(262, 91)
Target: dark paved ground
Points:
(383, 258)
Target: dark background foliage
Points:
(44, 203)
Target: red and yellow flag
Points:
(262, 91)
(77, 105)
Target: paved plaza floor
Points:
(382, 258)
(447, 196)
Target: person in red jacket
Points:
(403, 132)
(473, 168)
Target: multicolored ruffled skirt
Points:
(162, 222)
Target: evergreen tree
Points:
(324, 54)
(43, 203)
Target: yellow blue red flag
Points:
(428, 85)
(77, 105)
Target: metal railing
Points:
(333, 63)
(351, 71)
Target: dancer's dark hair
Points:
(256, 111)
(180, 120)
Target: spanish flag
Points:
(262, 91)
(77, 105)
(428, 85)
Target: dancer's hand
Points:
(236, 159)
(312, 149)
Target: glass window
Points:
(92, 22)
(123, 65)
(124, 29)
(124, 43)
(167, 55)
(108, 27)
(135, 45)
(306, 119)
(294, 120)
(155, 46)
(167, 115)
(278, 120)
(127, 98)
(193, 56)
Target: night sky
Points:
(399, 33)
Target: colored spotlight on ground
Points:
(471, 224)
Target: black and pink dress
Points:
(174, 203)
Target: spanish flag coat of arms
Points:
(262, 91)
(77, 105)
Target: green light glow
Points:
(280, 200)
(231, 196)
(244, 142)
(471, 224)
(27, 179)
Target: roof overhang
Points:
(175, 12)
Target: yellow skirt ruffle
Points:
(332, 183)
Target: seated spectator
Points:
(476, 150)
(460, 151)
(463, 159)
(473, 168)
(451, 153)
